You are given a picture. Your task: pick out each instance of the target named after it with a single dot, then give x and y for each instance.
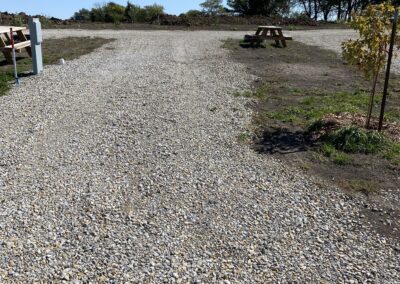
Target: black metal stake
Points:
(389, 63)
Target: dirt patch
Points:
(303, 83)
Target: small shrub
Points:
(339, 158)
(353, 139)
(45, 21)
(316, 126)
(194, 13)
(328, 150)
(17, 21)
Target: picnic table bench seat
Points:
(17, 46)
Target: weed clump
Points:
(355, 140)
(352, 139)
(338, 157)
(365, 186)
(4, 84)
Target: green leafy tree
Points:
(97, 14)
(17, 21)
(212, 7)
(260, 7)
(82, 15)
(194, 13)
(154, 11)
(369, 52)
(114, 13)
(132, 12)
(239, 6)
(141, 15)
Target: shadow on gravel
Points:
(257, 46)
(254, 46)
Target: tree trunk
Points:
(326, 15)
(315, 10)
(339, 12)
(349, 9)
(371, 101)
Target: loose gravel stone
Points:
(114, 169)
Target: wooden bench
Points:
(22, 42)
(18, 46)
(268, 33)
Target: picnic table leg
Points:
(7, 54)
(8, 57)
(22, 37)
(263, 36)
(273, 33)
(8, 39)
(259, 30)
(283, 38)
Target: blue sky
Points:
(65, 8)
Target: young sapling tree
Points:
(369, 51)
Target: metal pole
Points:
(389, 63)
(14, 57)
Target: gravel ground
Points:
(332, 39)
(123, 166)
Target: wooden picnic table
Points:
(268, 32)
(21, 41)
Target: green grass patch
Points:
(363, 186)
(259, 93)
(393, 115)
(353, 140)
(338, 157)
(392, 153)
(243, 137)
(314, 106)
(4, 83)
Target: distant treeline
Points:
(115, 13)
(313, 9)
(21, 19)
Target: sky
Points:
(64, 9)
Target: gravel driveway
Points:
(124, 166)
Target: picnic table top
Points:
(269, 27)
(6, 29)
